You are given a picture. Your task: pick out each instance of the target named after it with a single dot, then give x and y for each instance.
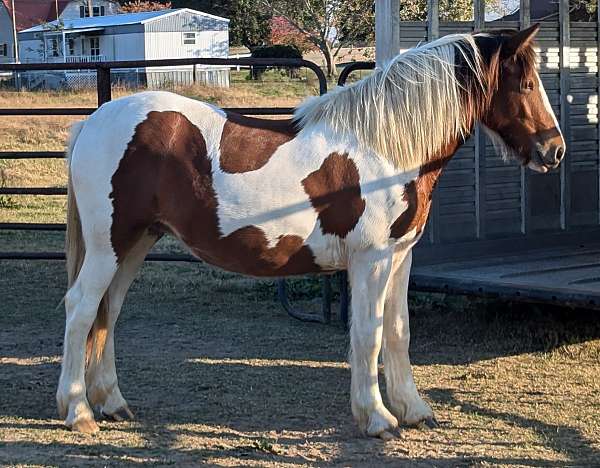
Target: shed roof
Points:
(118, 20)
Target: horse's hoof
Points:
(381, 424)
(122, 414)
(85, 426)
(428, 424)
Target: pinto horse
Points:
(345, 184)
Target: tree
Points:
(450, 10)
(249, 24)
(284, 33)
(135, 6)
(328, 24)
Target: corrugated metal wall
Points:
(164, 38)
(486, 198)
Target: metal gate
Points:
(104, 92)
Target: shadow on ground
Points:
(217, 374)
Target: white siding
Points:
(127, 46)
(6, 35)
(162, 45)
(31, 51)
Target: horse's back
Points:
(248, 195)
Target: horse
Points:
(344, 184)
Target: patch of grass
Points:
(263, 444)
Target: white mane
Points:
(406, 111)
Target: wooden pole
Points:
(479, 14)
(433, 19)
(524, 14)
(565, 106)
(479, 140)
(56, 7)
(387, 30)
(64, 46)
(15, 38)
(524, 22)
(433, 32)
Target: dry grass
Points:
(230, 380)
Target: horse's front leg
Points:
(369, 272)
(405, 402)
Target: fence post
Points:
(433, 19)
(524, 13)
(387, 30)
(479, 139)
(524, 22)
(565, 167)
(433, 32)
(103, 85)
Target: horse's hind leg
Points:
(405, 402)
(82, 301)
(101, 377)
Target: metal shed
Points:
(149, 35)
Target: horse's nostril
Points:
(560, 152)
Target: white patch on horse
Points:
(549, 109)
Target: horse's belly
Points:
(247, 251)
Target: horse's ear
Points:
(520, 41)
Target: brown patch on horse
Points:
(164, 183)
(407, 220)
(334, 191)
(247, 143)
(246, 250)
(418, 194)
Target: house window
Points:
(94, 46)
(54, 47)
(3, 50)
(71, 44)
(97, 11)
(189, 38)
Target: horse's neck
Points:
(430, 171)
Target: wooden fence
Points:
(480, 197)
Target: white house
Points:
(164, 34)
(29, 13)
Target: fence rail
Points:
(104, 93)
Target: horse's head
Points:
(519, 117)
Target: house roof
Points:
(29, 13)
(547, 10)
(116, 20)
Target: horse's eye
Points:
(528, 86)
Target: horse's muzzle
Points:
(545, 159)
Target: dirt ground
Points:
(219, 375)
